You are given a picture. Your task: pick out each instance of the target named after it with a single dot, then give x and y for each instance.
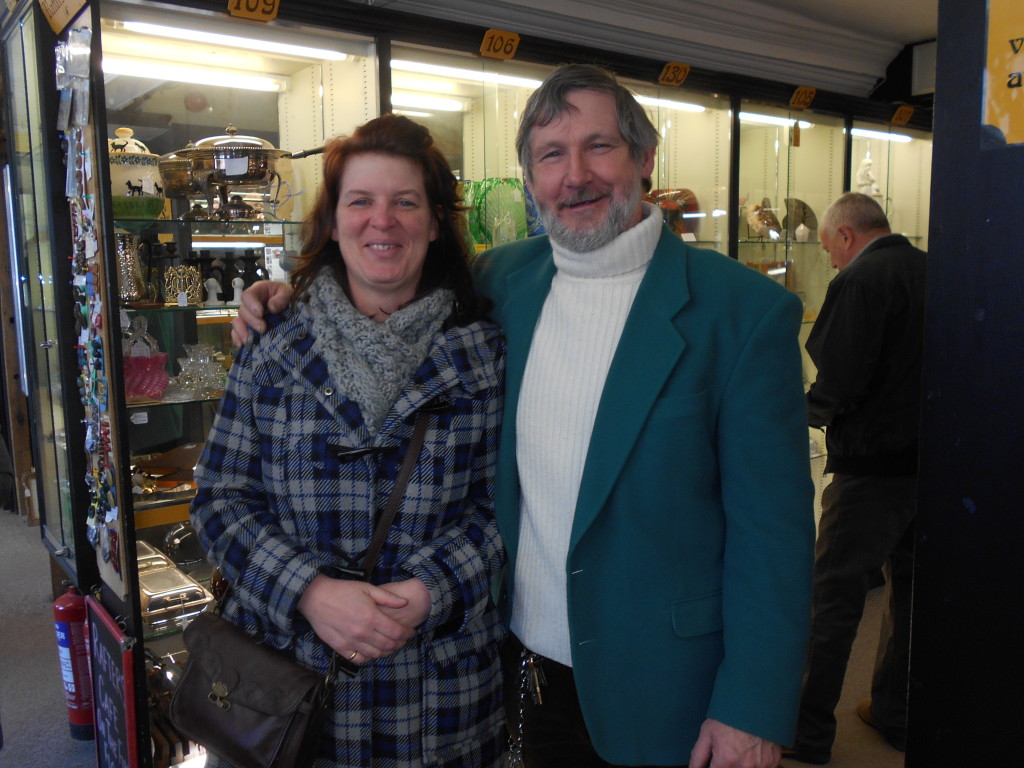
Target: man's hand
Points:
(722, 746)
(263, 296)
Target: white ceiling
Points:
(905, 21)
(837, 45)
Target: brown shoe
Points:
(864, 713)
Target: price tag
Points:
(57, 12)
(673, 73)
(260, 10)
(499, 44)
(902, 115)
(802, 97)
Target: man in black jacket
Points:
(866, 344)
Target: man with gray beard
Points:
(653, 487)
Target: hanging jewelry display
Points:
(103, 524)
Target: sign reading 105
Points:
(261, 10)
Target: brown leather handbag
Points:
(247, 703)
(254, 706)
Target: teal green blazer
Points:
(689, 564)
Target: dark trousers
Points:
(554, 734)
(866, 525)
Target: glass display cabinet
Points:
(791, 168)
(128, 263)
(691, 186)
(37, 227)
(209, 143)
(472, 107)
(894, 165)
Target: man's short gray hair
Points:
(548, 102)
(858, 211)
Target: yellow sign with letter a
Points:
(1004, 77)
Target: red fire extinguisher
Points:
(70, 621)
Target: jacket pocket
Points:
(697, 616)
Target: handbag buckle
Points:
(219, 695)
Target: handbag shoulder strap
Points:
(395, 500)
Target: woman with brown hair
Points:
(384, 323)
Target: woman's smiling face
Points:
(383, 225)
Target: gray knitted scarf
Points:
(372, 362)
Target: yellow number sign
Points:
(499, 44)
(260, 10)
(802, 98)
(674, 73)
(902, 115)
(1004, 79)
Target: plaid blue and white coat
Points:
(275, 505)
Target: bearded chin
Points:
(582, 240)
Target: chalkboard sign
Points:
(113, 690)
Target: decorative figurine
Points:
(866, 183)
(237, 286)
(762, 221)
(213, 292)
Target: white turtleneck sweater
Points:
(572, 349)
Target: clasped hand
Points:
(372, 621)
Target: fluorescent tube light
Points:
(237, 245)
(753, 117)
(184, 74)
(232, 41)
(463, 74)
(420, 101)
(522, 82)
(668, 104)
(864, 133)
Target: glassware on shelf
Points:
(201, 376)
(145, 376)
(129, 267)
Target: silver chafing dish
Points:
(170, 598)
(219, 165)
(174, 170)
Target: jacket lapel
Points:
(648, 351)
(526, 291)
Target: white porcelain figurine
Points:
(866, 182)
(237, 286)
(213, 291)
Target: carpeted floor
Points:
(858, 745)
(34, 718)
(32, 711)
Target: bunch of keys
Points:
(536, 677)
(531, 678)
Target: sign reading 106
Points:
(498, 44)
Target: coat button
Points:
(286, 347)
(328, 391)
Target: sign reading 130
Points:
(499, 44)
(261, 10)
